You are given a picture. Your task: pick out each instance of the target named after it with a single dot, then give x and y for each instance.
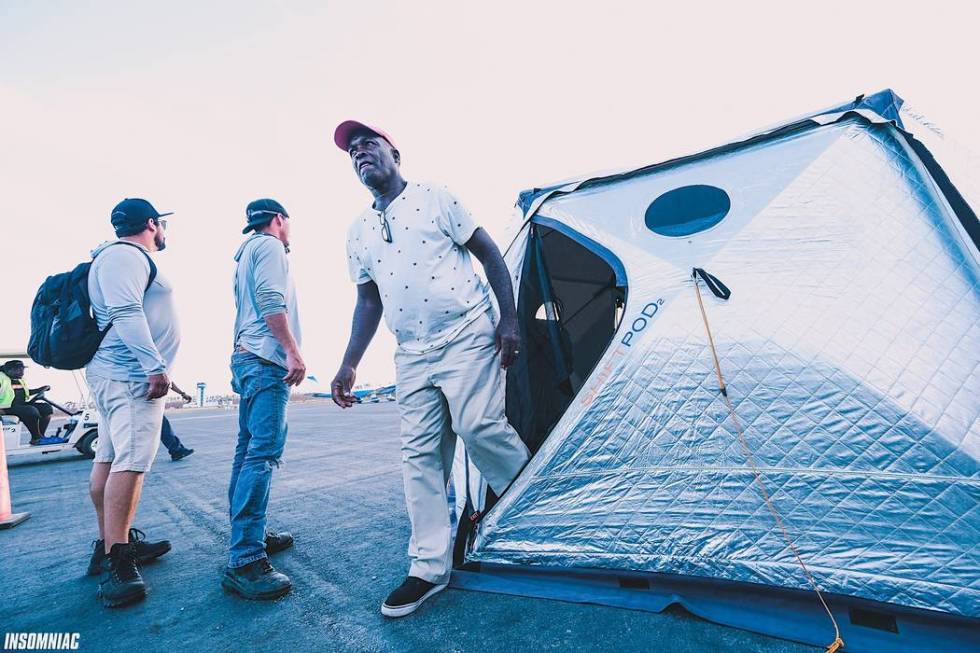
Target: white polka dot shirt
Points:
(425, 274)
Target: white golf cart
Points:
(80, 432)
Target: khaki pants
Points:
(457, 390)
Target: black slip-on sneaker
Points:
(408, 596)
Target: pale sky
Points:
(201, 107)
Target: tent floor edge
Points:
(782, 613)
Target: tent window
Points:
(569, 306)
(687, 210)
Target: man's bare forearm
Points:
(173, 386)
(280, 329)
(499, 278)
(487, 252)
(367, 317)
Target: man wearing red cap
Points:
(409, 254)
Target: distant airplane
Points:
(365, 395)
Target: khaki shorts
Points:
(129, 424)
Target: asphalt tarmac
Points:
(339, 492)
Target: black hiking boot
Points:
(98, 556)
(276, 542)
(257, 581)
(145, 551)
(408, 596)
(121, 582)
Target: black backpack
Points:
(64, 332)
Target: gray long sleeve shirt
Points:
(145, 333)
(263, 287)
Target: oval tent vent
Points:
(687, 210)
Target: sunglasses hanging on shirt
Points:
(385, 227)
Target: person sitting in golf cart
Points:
(23, 402)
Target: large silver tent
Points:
(850, 347)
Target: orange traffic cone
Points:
(8, 519)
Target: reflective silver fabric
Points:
(851, 349)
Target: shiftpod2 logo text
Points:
(603, 373)
(642, 320)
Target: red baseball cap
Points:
(346, 129)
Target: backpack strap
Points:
(153, 266)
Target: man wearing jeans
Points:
(265, 362)
(174, 446)
(409, 254)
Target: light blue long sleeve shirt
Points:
(145, 333)
(263, 287)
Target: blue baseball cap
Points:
(260, 212)
(129, 216)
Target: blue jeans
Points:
(261, 439)
(169, 438)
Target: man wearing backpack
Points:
(128, 377)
